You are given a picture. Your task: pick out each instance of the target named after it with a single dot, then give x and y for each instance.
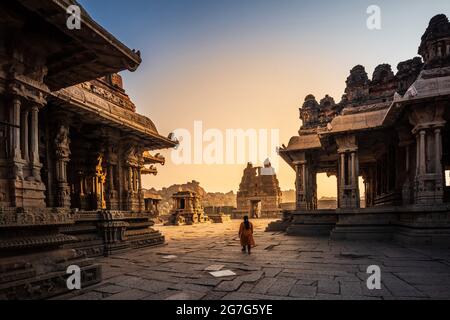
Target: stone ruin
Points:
(259, 193)
(187, 209)
(219, 214)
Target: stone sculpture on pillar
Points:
(100, 179)
(62, 148)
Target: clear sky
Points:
(248, 64)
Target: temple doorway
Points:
(362, 193)
(447, 184)
(326, 191)
(255, 209)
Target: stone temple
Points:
(259, 193)
(187, 209)
(72, 150)
(393, 131)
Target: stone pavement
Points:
(280, 267)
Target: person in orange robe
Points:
(246, 235)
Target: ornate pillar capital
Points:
(347, 143)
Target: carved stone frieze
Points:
(10, 217)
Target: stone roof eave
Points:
(151, 140)
(375, 116)
(397, 107)
(120, 56)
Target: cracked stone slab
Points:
(229, 286)
(186, 295)
(301, 291)
(400, 288)
(133, 294)
(111, 289)
(252, 277)
(263, 285)
(328, 287)
(281, 287)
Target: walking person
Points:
(246, 235)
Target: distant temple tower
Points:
(259, 193)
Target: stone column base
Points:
(28, 194)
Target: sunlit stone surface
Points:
(280, 267)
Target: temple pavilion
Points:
(391, 130)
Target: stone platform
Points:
(43, 275)
(425, 225)
(272, 214)
(280, 267)
(219, 218)
(110, 232)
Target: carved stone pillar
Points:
(135, 180)
(112, 202)
(140, 191)
(112, 194)
(100, 179)
(35, 163)
(62, 148)
(406, 140)
(369, 183)
(406, 188)
(111, 177)
(428, 122)
(24, 135)
(438, 151)
(306, 185)
(313, 187)
(130, 159)
(15, 129)
(130, 179)
(422, 153)
(130, 191)
(348, 174)
(14, 139)
(300, 186)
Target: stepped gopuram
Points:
(187, 209)
(391, 130)
(72, 150)
(259, 193)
